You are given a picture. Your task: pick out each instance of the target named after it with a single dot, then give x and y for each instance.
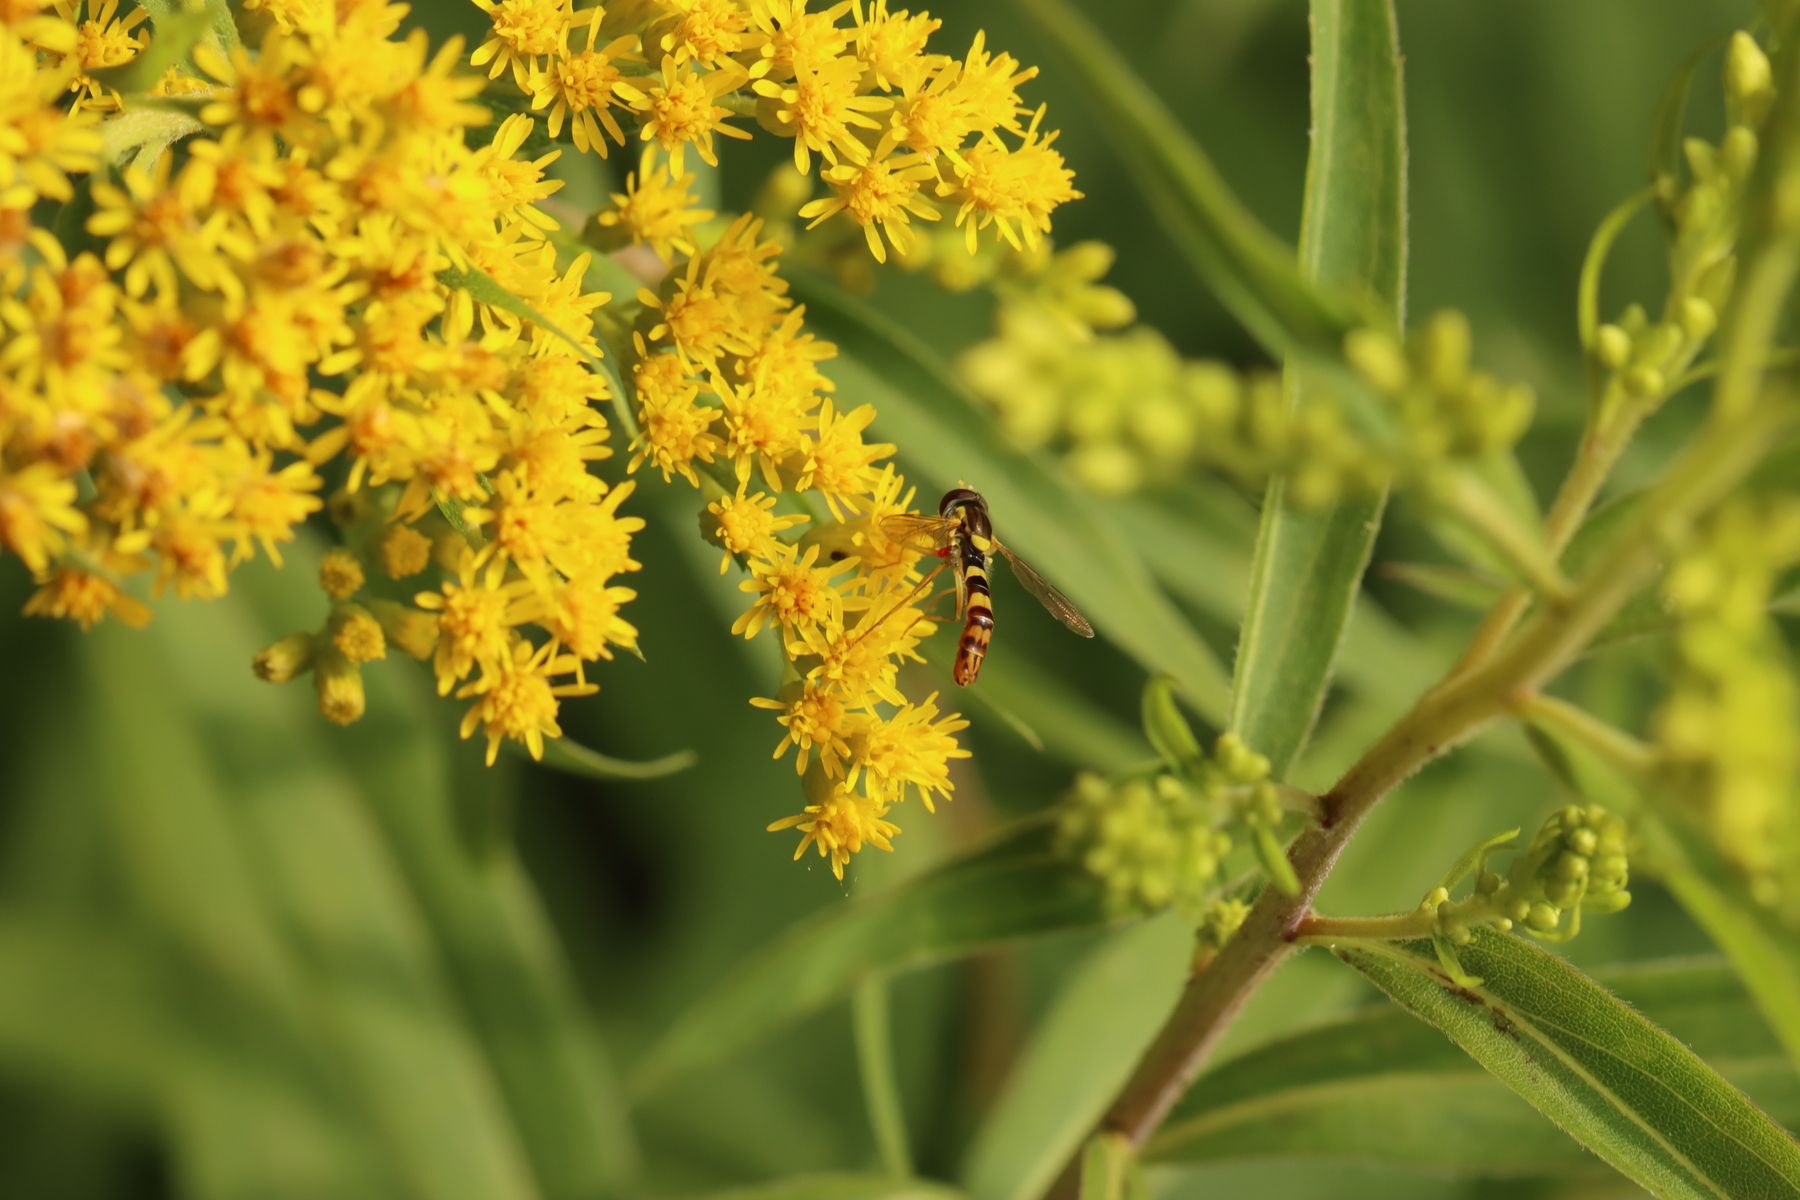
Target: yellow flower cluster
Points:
(320, 272)
(725, 374)
(1728, 726)
(902, 133)
(265, 308)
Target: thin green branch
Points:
(1628, 754)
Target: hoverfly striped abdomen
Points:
(972, 545)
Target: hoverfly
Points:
(963, 536)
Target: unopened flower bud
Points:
(1087, 261)
(1214, 390)
(1748, 79)
(287, 659)
(1612, 347)
(412, 629)
(1698, 319)
(1737, 154)
(1542, 917)
(1378, 359)
(1644, 381)
(340, 574)
(404, 552)
(1445, 348)
(340, 686)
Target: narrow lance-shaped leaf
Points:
(1619, 1085)
(1013, 887)
(1381, 1086)
(1247, 266)
(945, 441)
(1309, 565)
(1080, 1053)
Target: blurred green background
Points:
(243, 952)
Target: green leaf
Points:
(1766, 953)
(842, 1186)
(1380, 1086)
(1619, 1085)
(223, 25)
(147, 128)
(1080, 1054)
(1013, 887)
(561, 754)
(295, 850)
(488, 925)
(945, 441)
(1308, 565)
(1251, 270)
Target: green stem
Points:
(1326, 931)
(1444, 717)
(1483, 511)
(1617, 747)
(881, 1090)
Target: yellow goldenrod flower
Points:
(657, 209)
(792, 593)
(517, 699)
(892, 45)
(74, 594)
(585, 85)
(103, 39)
(798, 40)
(882, 193)
(476, 615)
(523, 32)
(840, 822)
(821, 110)
(339, 685)
(1008, 188)
(746, 525)
(705, 31)
(683, 110)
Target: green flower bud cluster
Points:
(1151, 842)
(1446, 408)
(1576, 862)
(1159, 840)
(1645, 359)
(1728, 730)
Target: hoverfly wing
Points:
(919, 531)
(1048, 595)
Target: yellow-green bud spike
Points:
(1749, 82)
(1612, 347)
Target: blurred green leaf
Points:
(288, 828)
(1308, 565)
(1011, 887)
(486, 920)
(842, 1187)
(562, 754)
(1252, 272)
(1102, 1018)
(923, 408)
(1382, 1086)
(1622, 1087)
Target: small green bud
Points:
(1698, 318)
(1378, 359)
(1612, 347)
(1701, 158)
(1656, 345)
(1220, 921)
(1583, 842)
(1737, 154)
(1749, 83)
(1239, 763)
(1087, 261)
(1445, 349)
(1214, 390)
(1644, 381)
(1700, 211)
(1542, 918)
